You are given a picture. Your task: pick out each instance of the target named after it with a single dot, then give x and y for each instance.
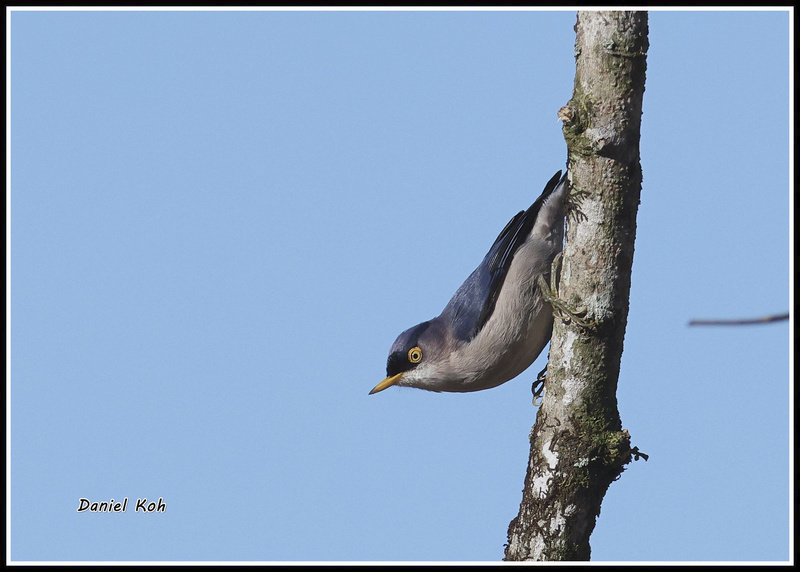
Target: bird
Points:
(498, 321)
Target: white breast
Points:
(514, 335)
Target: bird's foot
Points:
(560, 308)
(538, 388)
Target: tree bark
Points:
(578, 446)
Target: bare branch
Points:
(742, 322)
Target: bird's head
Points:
(415, 357)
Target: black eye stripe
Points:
(397, 362)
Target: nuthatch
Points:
(498, 321)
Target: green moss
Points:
(582, 107)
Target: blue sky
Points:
(220, 221)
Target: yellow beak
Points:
(388, 382)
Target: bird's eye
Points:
(415, 355)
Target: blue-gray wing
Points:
(474, 301)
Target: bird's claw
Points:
(538, 388)
(561, 308)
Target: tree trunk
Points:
(578, 446)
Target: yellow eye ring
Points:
(415, 354)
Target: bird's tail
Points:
(550, 218)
